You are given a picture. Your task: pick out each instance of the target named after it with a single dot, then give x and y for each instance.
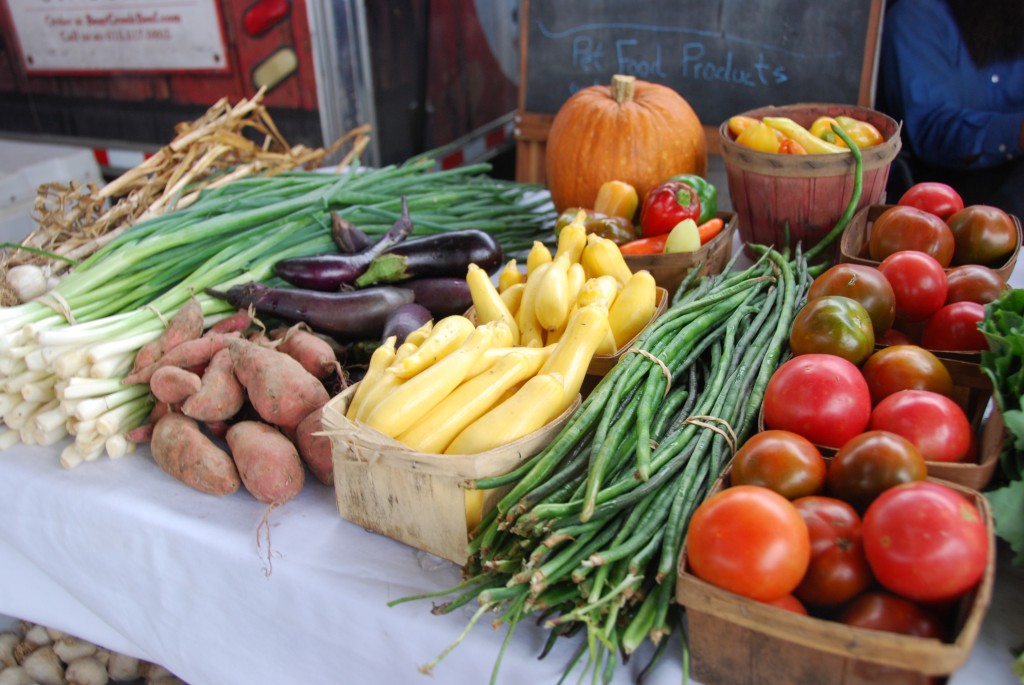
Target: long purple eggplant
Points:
(441, 254)
(330, 272)
(442, 296)
(404, 320)
(351, 314)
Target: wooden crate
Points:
(670, 269)
(739, 641)
(801, 197)
(416, 498)
(853, 245)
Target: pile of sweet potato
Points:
(236, 408)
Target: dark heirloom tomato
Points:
(870, 463)
(782, 461)
(982, 234)
(955, 327)
(933, 197)
(894, 337)
(974, 283)
(819, 396)
(905, 367)
(838, 571)
(833, 324)
(925, 541)
(919, 282)
(863, 283)
(936, 425)
(748, 540)
(883, 611)
(908, 228)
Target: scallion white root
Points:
(118, 446)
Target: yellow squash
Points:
(577, 346)
(602, 257)
(379, 360)
(633, 308)
(487, 301)
(538, 254)
(446, 335)
(509, 276)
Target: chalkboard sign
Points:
(723, 56)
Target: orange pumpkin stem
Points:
(623, 87)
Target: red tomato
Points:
(905, 367)
(974, 283)
(936, 425)
(982, 234)
(925, 541)
(955, 327)
(871, 463)
(748, 540)
(782, 461)
(838, 571)
(833, 324)
(819, 396)
(908, 228)
(863, 283)
(919, 282)
(933, 197)
(789, 603)
(883, 611)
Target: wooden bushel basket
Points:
(413, 497)
(803, 194)
(739, 641)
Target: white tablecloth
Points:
(122, 555)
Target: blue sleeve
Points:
(933, 86)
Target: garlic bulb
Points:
(28, 281)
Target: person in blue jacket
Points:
(953, 72)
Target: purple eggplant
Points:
(349, 238)
(330, 272)
(442, 296)
(404, 320)
(350, 314)
(442, 254)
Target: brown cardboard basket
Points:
(853, 245)
(414, 497)
(669, 270)
(739, 641)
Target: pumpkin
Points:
(633, 131)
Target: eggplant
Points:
(442, 296)
(350, 314)
(347, 236)
(442, 254)
(404, 320)
(330, 272)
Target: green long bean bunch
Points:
(63, 355)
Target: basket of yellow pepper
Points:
(791, 175)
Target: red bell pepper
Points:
(666, 205)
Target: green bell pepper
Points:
(707, 193)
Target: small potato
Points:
(267, 461)
(316, 450)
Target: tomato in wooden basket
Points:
(933, 197)
(974, 283)
(907, 228)
(748, 540)
(919, 282)
(863, 283)
(819, 396)
(905, 367)
(871, 463)
(838, 571)
(782, 461)
(936, 425)
(955, 327)
(982, 234)
(925, 541)
(880, 610)
(833, 324)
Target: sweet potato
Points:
(220, 395)
(186, 324)
(267, 462)
(314, 353)
(144, 431)
(172, 385)
(186, 355)
(236, 323)
(280, 390)
(181, 449)
(315, 450)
